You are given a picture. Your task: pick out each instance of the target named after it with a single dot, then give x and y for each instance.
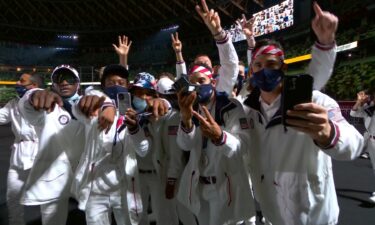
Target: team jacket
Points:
(103, 170)
(292, 176)
(231, 177)
(25, 146)
(61, 142)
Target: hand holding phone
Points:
(184, 85)
(297, 89)
(123, 102)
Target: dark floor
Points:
(354, 183)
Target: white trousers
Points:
(55, 213)
(212, 210)
(100, 207)
(15, 183)
(151, 186)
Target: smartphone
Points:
(123, 102)
(297, 89)
(184, 85)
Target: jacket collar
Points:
(253, 102)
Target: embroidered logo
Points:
(244, 124)
(172, 130)
(63, 119)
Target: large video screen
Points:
(275, 18)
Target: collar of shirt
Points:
(268, 110)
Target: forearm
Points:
(322, 63)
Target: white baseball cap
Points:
(164, 86)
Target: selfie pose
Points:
(291, 166)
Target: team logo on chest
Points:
(63, 119)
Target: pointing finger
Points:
(318, 11)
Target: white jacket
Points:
(25, 146)
(98, 155)
(61, 143)
(231, 177)
(292, 176)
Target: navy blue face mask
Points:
(114, 90)
(21, 90)
(204, 93)
(267, 79)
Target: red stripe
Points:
(229, 190)
(135, 198)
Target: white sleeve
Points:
(140, 140)
(228, 71)
(347, 142)
(5, 113)
(34, 117)
(358, 113)
(321, 65)
(180, 69)
(185, 138)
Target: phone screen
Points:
(297, 89)
(124, 102)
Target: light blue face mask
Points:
(72, 99)
(139, 104)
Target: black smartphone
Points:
(297, 89)
(184, 85)
(124, 102)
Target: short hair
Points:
(37, 79)
(241, 63)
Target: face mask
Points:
(114, 90)
(205, 93)
(21, 90)
(72, 99)
(267, 79)
(139, 104)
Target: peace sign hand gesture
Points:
(176, 43)
(324, 25)
(208, 125)
(210, 18)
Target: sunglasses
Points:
(68, 77)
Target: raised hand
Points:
(247, 26)
(45, 100)
(362, 97)
(208, 125)
(210, 17)
(324, 25)
(247, 29)
(123, 46)
(313, 120)
(176, 43)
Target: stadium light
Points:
(340, 48)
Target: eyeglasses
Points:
(68, 77)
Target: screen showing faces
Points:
(275, 18)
